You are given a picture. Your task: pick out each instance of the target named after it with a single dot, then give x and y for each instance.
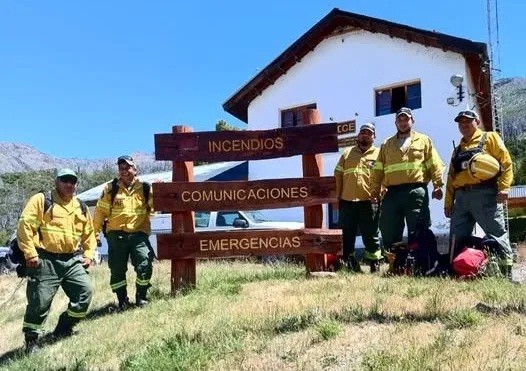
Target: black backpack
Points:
(15, 256)
(419, 256)
(425, 251)
(113, 193)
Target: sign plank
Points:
(346, 142)
(246, 145)
(346, 127)
(243, 195)
(248, 243)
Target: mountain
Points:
(16, 157)
(513, 97)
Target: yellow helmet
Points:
(483, 166)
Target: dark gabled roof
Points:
(338, 21)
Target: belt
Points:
(120, 232)
(59, 256)
(406, 186)
(481, 185)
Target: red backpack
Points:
(469, 263)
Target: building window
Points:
(392, 99)
(293, 116)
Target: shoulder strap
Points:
(48, 201)
(83, 207)
(114, 190)
(482, 141)
(146, 191)
(48, 206)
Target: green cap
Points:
(66, 172)
(368, 126)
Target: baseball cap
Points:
(467, 113)
(128, 159)
(66, 173)
(404, 111)
(368, 126)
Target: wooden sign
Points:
(246, 145)
(346, 127)
(243, 195)
(248, 243)
(346, 142)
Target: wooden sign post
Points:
(313, 214)
(183, 273)
(182, 196)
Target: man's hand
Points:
(437, 194)
(447, 212)
(86, 262)
(33, 262)
(502, 196)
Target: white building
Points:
(353, 67)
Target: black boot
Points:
(506, 272)
(122, 297)
(64, 326)
(374, 265)
(31, 340)
(140, 297)
(354, 265)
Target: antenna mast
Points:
(494, 67)
(494, 73)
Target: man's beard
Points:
(363, 143)
(404, 132)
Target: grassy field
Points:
(247, 316)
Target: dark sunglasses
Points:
(68, 179)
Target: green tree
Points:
(222, 125)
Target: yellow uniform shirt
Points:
(63, 229)
(129, 212)
(494, 147)
(353, 173)
(418, 163)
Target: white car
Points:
(206, 221)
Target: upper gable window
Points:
(391, 99)
(293, 116)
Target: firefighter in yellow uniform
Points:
(55, 233)
(353, 173)
(126, 213)
(406, 164)
(479, 179)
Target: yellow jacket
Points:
(353, 173)
(495, 147)
(420, 163)
(128, 213)
(62, 229)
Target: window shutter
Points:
(383, 102)
(414, 96)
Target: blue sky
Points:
(98, 79)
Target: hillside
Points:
(513, 96)
(16, 157)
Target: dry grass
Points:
(246, 316)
